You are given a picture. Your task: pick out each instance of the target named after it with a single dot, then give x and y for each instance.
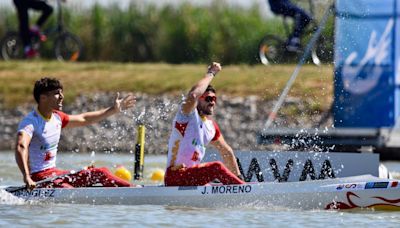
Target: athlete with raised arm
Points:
(39, 134)
(193, 129)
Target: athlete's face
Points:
(206, 103)
(54, 99)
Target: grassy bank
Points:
(17, 78)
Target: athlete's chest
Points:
(48, 131)
(202, 129)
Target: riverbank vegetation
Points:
(171, 34)
(314, 83)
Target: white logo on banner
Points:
(377, 52)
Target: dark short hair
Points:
(210, 88)
(45, 85)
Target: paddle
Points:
(13, 189)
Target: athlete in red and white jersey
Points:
(193, 130)
(39, 134)
(190, 134)
(45, 135)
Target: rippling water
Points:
(19, 214)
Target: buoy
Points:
(123, 173)
(157, 175)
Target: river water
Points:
(14, 213)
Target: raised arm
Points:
(22, 158)
(88, 118)
(227, 155)
(197, 90)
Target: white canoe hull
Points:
(340, 193)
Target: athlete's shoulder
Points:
(31, 117)
(212, 120)
(63, 117)
(29, 123)
(60, 114)
(216, 127)
(183, 116)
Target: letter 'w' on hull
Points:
(286, 172)
(253, 169)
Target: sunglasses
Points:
(210, 99)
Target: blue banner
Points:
(366, 63)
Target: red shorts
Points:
(201, 175)
(84, 178)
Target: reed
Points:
(171, 34)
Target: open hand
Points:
(122, 104)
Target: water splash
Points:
(9, 199)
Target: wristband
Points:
(211, 72)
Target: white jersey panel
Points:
(45, 136)
(189, 138)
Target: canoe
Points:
(364, 191)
